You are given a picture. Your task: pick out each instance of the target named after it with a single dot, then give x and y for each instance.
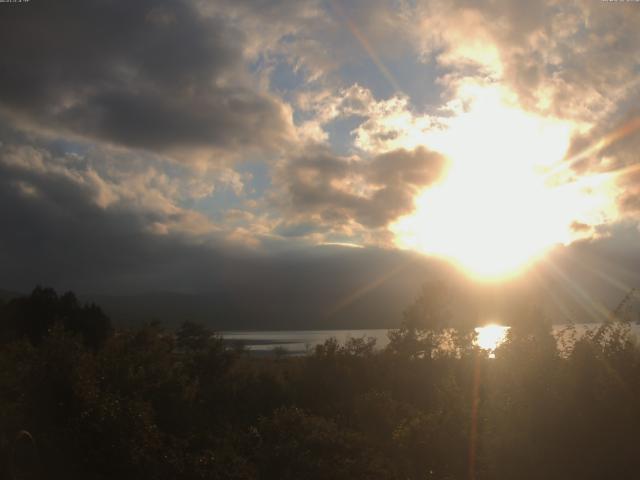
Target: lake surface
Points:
(298, 342)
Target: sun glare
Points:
(491, 336)
(497, 210)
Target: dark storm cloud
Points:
(371, 193)
(65, 225)
(149, 74)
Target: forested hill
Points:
(337, 289)
(255, 310)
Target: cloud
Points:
(68, 224)
(315, 37)
(573, 60)
(110, 99)
(371, 193)
(380, 125)
(71, 183)
(151, 75)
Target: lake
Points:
(298, 342)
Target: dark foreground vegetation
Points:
(80, 400)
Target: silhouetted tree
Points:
(34, 316)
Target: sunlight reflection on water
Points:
(490, 336)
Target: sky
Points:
(183, 144)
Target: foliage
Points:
(32, 317)
(154, 403)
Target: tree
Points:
(34, 316)
(427, 328)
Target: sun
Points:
(497, 210)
